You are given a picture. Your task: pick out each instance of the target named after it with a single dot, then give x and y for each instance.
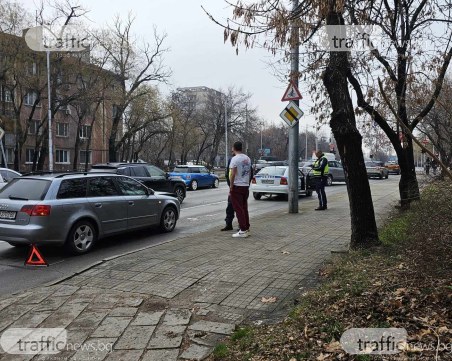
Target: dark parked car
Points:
(151, 176)
(76, 209)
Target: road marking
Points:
(204, 205)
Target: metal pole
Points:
(3, 154)
(262, 129)
(294, 131)
(306, 145)
(226, 132)
(49, 114)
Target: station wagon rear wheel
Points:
(168, 219)
(194, 185)
(81, 237)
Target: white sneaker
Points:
(240, 234)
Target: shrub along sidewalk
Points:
(405, 283)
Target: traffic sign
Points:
(2, 133)
(292, 93)
(291, 114)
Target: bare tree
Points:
(135, 66)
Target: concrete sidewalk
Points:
(177, 300)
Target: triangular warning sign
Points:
(292, 93)
(35, 258)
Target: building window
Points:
(29, 154)
(9, 152)
(61, 156)
(6, 95)
(31, 97)
(85, 131)
(62, 129)
(34, 127)
(32, 69)
(84, 156)
(114, 111)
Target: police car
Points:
(274, 180)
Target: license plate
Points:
(7, 215)
(268, 181)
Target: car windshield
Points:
(273, 171)
(25, 189)
(180, 170)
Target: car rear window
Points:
(273, 171)
(26, 188)
(72, 188)
(180, 170)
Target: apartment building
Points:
(82, 103)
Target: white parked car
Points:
(275, 180)
(7, 175)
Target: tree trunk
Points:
(408, 185)
(349, 143)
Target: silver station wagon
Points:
(76, 209)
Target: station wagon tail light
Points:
(283, 181)
(38, 210)
(253, 181)
(188, 176)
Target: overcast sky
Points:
(198, 56)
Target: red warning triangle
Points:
(292, 93)
(35, 258)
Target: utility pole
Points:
(49, 114)
(226, 131)
(294, 130)
(306, 144)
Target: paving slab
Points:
(176, 317)
(112, 327)
(213, 327)
(161, 355)
(167, 337)
(135, 338)
(147, 318)
(196, 352)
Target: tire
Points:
(381, 176)
(180, 193)
(81, 238)
(194, 185)
(257, 196)
(308, 193)
(168, 219)
(387, 176)
(329, 180)
(216, 183)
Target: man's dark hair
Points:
(238, 146)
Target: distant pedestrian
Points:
(434, 166)
(427, 165)
(320, 171)
(229, 209)
(240, 178)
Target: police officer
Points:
(320, 171)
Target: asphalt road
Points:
(201, 210)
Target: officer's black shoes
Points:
(228, 227)
(320, 208)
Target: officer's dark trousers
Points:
(320, 189)
(229, 212)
